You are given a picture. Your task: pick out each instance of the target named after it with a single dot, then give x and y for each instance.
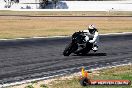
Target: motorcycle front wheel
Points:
(70, 48)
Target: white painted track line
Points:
(44, 78)
(62, 36)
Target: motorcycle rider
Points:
(93, 34)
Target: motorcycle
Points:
(78, 45)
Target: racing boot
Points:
(95, 48)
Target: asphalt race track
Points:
(35, 58)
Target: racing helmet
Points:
(92, 29)
(91, 26)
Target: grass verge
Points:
(15, 27)
(121, 72)
(67, 13)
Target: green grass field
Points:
(72, 81)
(124, 72)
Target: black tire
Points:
(69, 49)
(85, 81)
(85, 51)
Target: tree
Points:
(55, 2)
(43, 3)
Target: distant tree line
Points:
(44, 3)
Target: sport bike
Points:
(78, 45)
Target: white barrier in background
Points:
(75, 6)
(100, 5)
